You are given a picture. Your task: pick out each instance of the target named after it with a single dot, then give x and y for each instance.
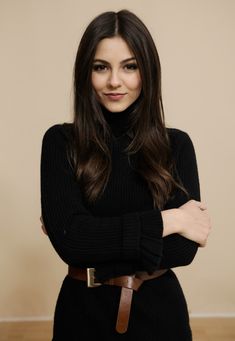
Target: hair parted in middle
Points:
(90, 152)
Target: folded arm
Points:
(185, 220)
(81, 238)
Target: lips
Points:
(115, 96)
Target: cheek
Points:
(135, 83)
(96, 82)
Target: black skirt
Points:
(158, 313)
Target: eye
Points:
(99, 67)
(131, 67)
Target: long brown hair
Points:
(90, 152)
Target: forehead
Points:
(113, 48)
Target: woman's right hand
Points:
(190, 220)
(194, 221)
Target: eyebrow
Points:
(122, 62)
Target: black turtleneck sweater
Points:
(121, 232)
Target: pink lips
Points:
(115, 96)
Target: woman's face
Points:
(115, 74)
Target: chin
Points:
(116, 107)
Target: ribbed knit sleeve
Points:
(178, 250)
(79, 237)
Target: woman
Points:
(120, 194)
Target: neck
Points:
(118, 121)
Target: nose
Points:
(114, 80)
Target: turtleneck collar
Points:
(119, 122)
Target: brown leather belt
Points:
(128, 284)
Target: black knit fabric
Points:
(119, 234)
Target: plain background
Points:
(38, 43)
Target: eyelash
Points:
(131, 66)
(102, 67)
(99, 67)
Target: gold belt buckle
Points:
(91, 283)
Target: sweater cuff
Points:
(152, 223)
(131, 236)
(151, 242)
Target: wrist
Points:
(171, 221)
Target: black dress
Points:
(119, 234)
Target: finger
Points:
(202, 244)
(202, 206)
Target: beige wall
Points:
(38, 41)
